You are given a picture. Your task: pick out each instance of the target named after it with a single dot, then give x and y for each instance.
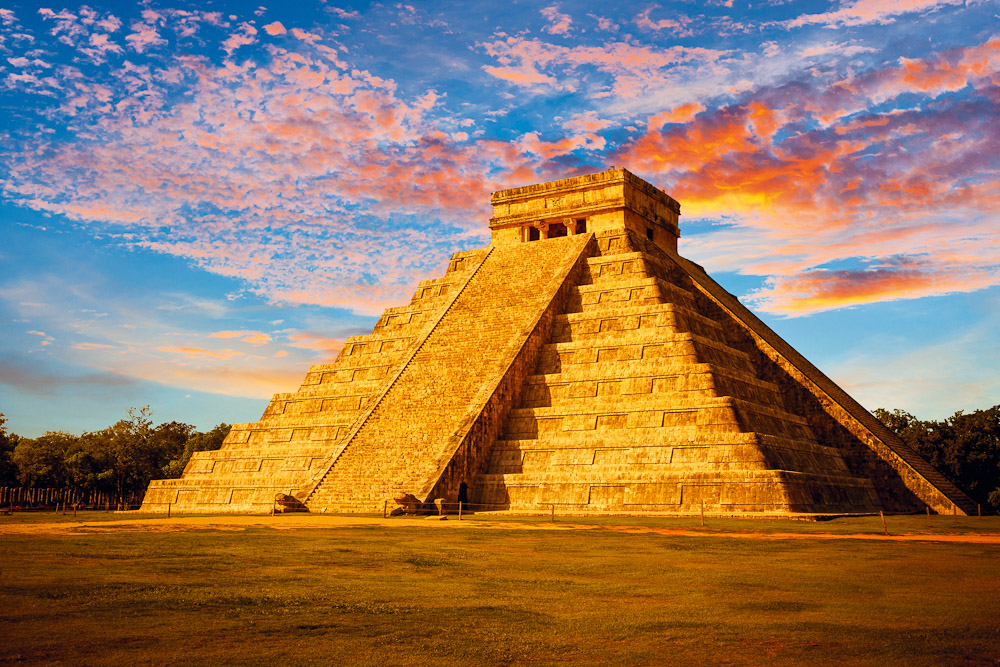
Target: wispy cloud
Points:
(863, 12)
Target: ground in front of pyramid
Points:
(578, 364)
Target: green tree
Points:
(8, 441)
(128, 452)
(41, 461)
(965, 448)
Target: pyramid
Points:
(577, 364)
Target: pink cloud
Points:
(144, 37)
(586, 122)
(246, 35)
(306, 36)
(676, 26)
(863, 12)
(558, 23)
(634, 70)
(682, 114)
(275, 28)
(343, 13)
(818, 290)
(255, 338)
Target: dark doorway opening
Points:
(463, 493)
(649, 233)
(557, 229)
(581, 227)
(534, 234)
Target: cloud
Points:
(275, 28)
(820, 289)
(586, 122)
(144, 37)
(676, 26)
(807, 178)
(251, 167)
(929, 378)
(17, 373)
(200, 352)
(325, 346)
(682, 114)
(343, 13)
(558, 23)
(632, 69)
(255, 338)
(863, 12)
(246, 35)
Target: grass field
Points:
(318, 590)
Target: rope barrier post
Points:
(703, 513)
(459, 510)
(928, 514)
(979, 509)
(553, 518)
(168, 510)
(385, 508)
(884, 527)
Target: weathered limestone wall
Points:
(608, 202)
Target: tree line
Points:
(117, 461)
(965, 448)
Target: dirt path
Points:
(308, 521)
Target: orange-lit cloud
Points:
(252, 337)
(803, 198)
(92, 346)
(275, 28)
(200, 353)
(681, 114)
(311, 341)
(819, 290)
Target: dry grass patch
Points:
(394, 594)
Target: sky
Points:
(198, 201)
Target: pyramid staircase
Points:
(294, 438)
(428, 418)
(639, 404)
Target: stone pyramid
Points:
(579, 363)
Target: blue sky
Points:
(198, 201)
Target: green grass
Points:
(394, 594)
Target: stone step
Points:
(632, 318)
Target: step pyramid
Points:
(576, 363)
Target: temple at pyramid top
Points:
(577, 364)
(612, 200)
